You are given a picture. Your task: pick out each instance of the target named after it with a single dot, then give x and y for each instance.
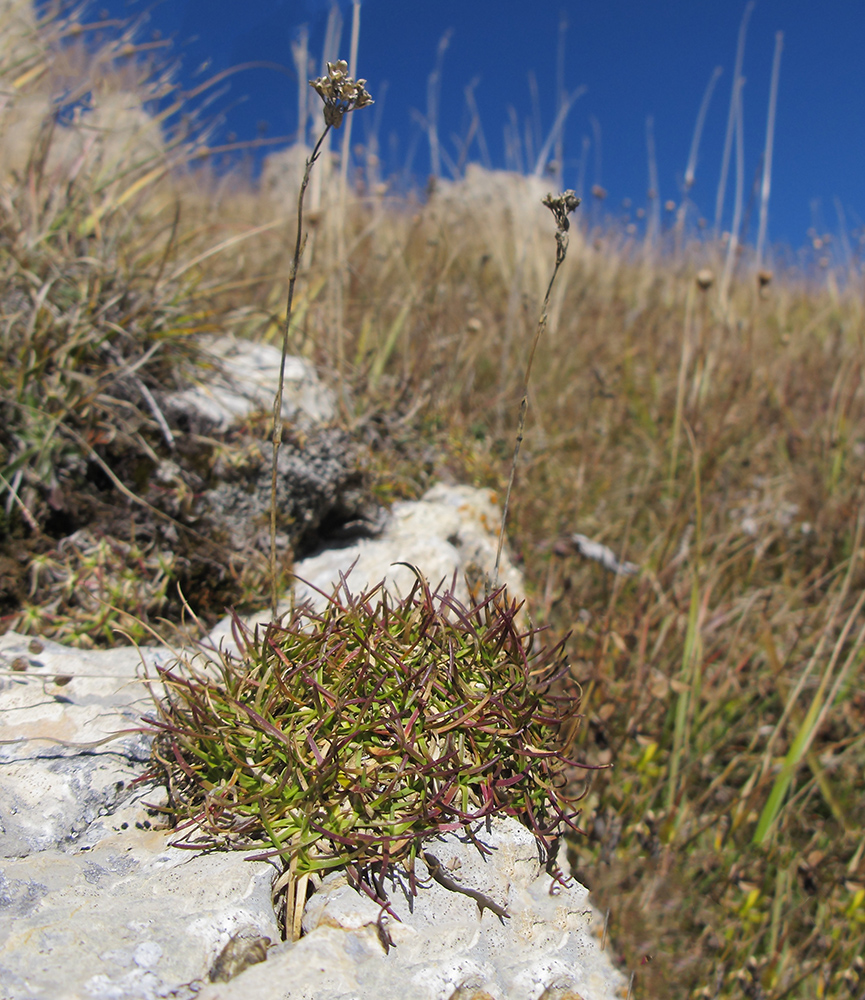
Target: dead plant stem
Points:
(277, 403)
(561, 207)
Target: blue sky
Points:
(637, 58)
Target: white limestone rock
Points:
(131, 919)
(93, 903)
(242, 377)
(451, 530)
(443, 942)
(53, 795)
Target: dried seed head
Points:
(764, 278)
(561, 206)
(704, 279)
(340, 93)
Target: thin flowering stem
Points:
(277, 403)
(561, 207)
(340, 95)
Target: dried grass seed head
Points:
(340, 92)
(705, 279)
(561, 206)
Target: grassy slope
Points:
(719, 446)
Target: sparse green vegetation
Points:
(716, 442)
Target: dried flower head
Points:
(561, 206)
(340, 93)
(704, 279)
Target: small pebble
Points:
(239, 954)
(560, 993)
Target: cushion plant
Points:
(344, 737)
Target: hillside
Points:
(709, 430)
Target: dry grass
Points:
(717, 445)
(719, 451)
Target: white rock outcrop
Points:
(56, 796)
(529, 937)
(238, 377)
(130, 919)
(450, 535)
(95, 902)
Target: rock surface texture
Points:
(494, 925)
(130, 918)
(53, 796)
(451, 530)
(319, 479)
(94, 902)
(450, 534)
(241, 379)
